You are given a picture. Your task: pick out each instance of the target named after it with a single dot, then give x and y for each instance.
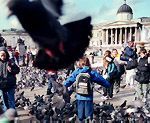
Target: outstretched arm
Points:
(71, 79)
(96, 77)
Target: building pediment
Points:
(119, 24)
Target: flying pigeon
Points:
(59, 45)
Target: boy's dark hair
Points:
(84, 61)
(143, 51)
(107, 53)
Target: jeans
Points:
(3, 106)
(117, 85)
(9, 98)
(85, 109)
(108, 91)
(142, 91)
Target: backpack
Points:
(83, 84)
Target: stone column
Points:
(103, 38)
(116, 36)
(111, 36)
(130, 33)
(135, 33)
(125, 40)
(120, 41)
(106, 36)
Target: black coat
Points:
(11, 76)
(143, 71)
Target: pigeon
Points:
(59, 45)
(22, 93)
(32, 88)
(17, 89)
(123, 104)
(123, 86)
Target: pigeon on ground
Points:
(32, 88)
(123, 86)
(123, 104)
(59, 45)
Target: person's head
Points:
(131, 43)
(143, 53)
(84, 61)
(107, 53)
(114, 53)
(106, 61)
(3, 54)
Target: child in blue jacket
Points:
(85, 103)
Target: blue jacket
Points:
(128, 53)
(95, 77)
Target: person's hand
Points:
(9, 68)
(130, 59)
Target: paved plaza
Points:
(124, 94)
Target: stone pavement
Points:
(124, 94)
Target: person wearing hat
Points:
(8, 70)
(129, 55)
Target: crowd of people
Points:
(135, 66)
(79, 77)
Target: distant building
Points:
(12, 35)
(115, 34)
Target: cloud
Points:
(72, 12)
(73, 17)
(14, 23)
(104, 13)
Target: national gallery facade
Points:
(116, 34)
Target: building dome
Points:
(125, 8)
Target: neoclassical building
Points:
(115, 34)
(11, 36)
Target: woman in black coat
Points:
(143, 75)
(8, 71)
